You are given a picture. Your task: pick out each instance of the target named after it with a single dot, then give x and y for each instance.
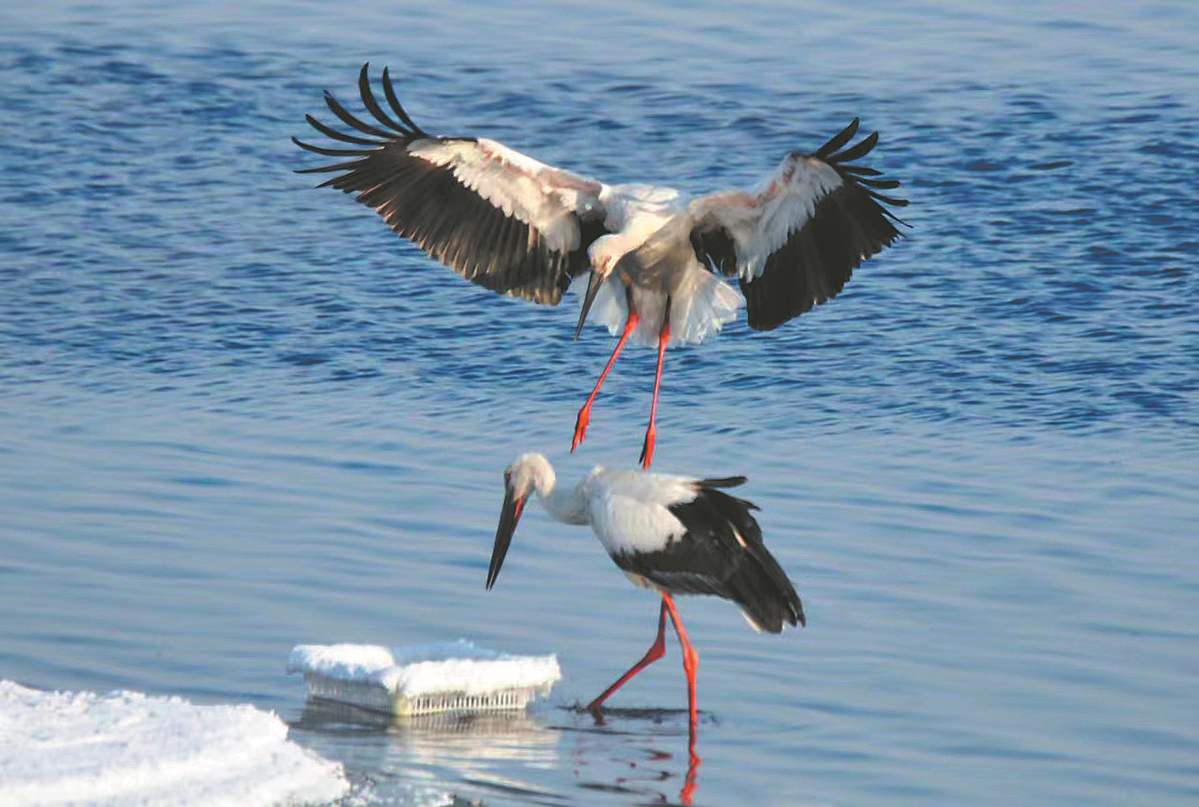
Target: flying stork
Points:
(656, 262)
(674, 534)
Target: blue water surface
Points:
(237, 414)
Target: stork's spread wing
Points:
(795, 242)
(498, 218)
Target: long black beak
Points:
(509, 515)
(594, 281)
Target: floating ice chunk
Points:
(126, 748)
(447, 676)
(353, 662)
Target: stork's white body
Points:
(629, 511)
(653, 223)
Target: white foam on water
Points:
(422, 669)
(127, 749)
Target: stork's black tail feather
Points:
(757, 583)
(723, 482)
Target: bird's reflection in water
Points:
(488, 751)
(442, 737)
(615, 751)
(655, 769)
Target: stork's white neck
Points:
(568, 505)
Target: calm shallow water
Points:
(238, 415)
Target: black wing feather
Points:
(837, 141)
(394, 103)
(350, 120)
(372, 106)
(724, 482)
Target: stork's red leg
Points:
(647, 448)
(585, 413)
(655, 652)
(690, 666)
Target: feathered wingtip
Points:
(859, 174)
(404, 130)
(723, 482)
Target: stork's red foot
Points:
(647, 448)
(581, 425)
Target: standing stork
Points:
(655, 261)
(674, 534)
